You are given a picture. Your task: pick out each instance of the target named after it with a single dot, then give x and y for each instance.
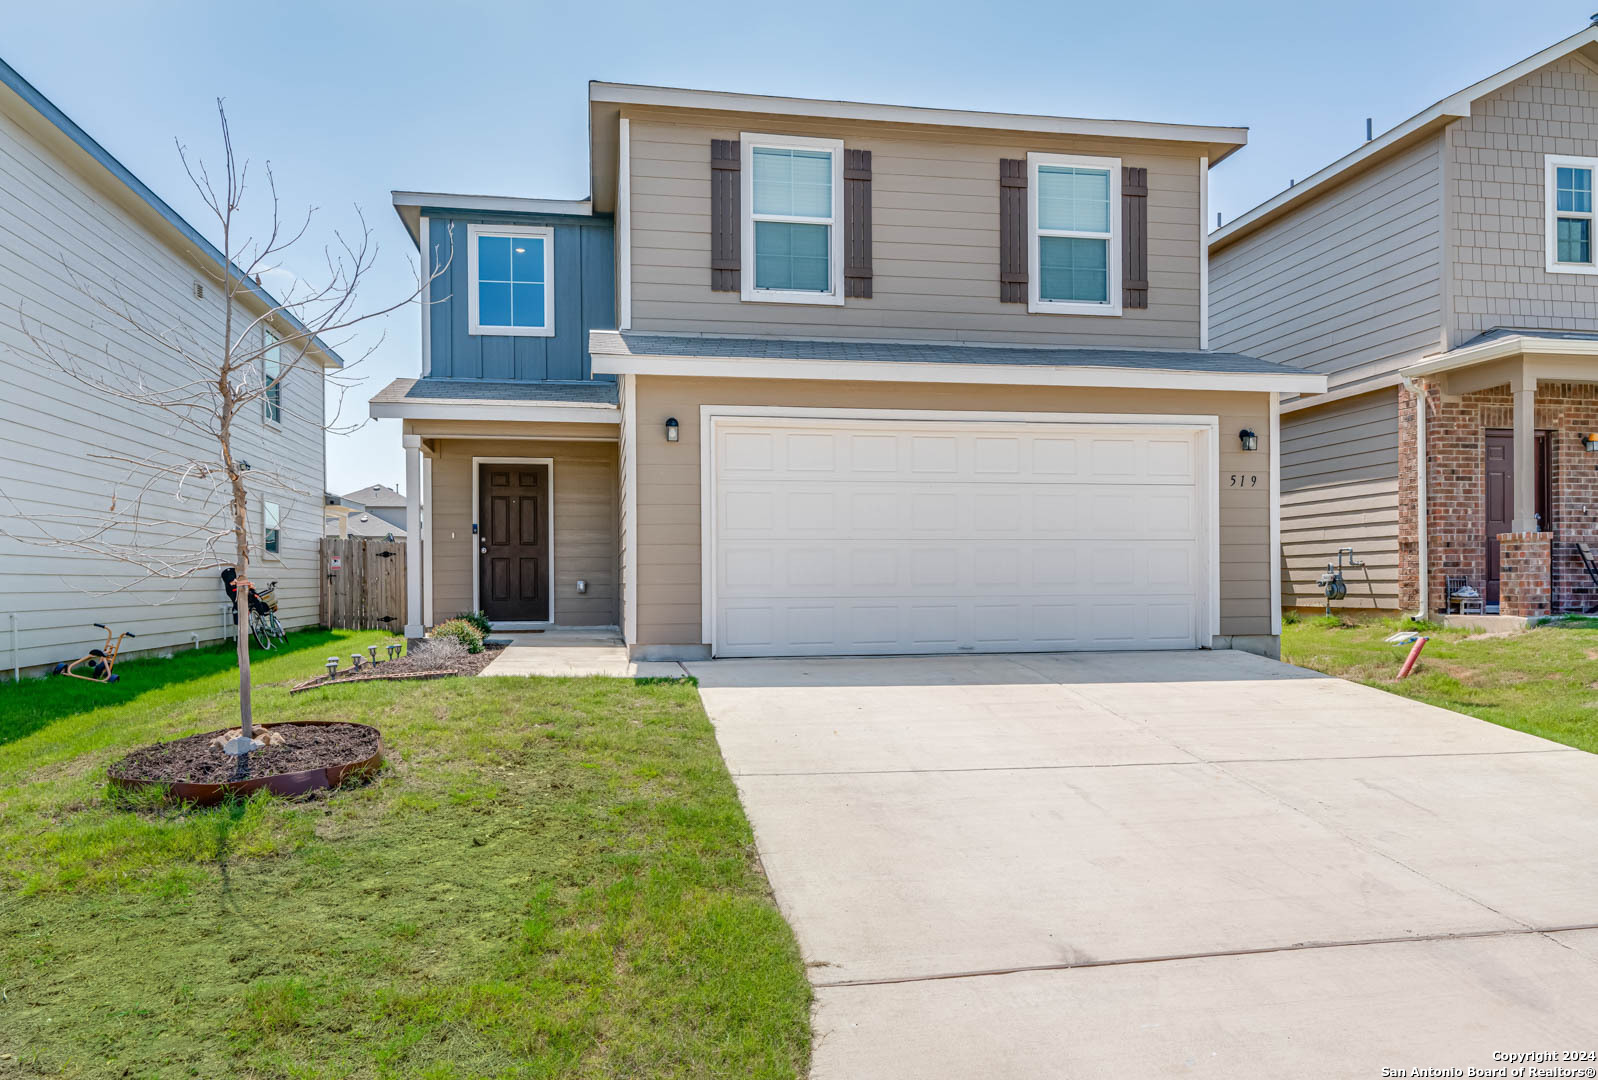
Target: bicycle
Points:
(263, 621)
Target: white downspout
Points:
(16, 671)
(1423, 571)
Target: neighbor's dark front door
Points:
(1501, 495)
(513, 542)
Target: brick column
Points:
(1524, 569)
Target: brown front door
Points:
(1501, 495)
(513, 542)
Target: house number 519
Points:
(1239, 480)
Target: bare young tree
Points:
(177, 511)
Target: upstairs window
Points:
(271, 519)
(1570, 215)
(1074, 249)
(793, 192)
(512, 286)
(272, 376)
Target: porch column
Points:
(1525, 520)
(414, 627)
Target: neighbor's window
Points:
(1570, 214)
(1074, 256)
(793, 189)
(271, 517)
(272, 376)
(512, 287)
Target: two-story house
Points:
(1444, 277)
(808, 377)
(81, 236)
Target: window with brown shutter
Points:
(725, 213)
(857, 223)
(1012, 231)
(1134, 238)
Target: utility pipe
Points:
(1423, 572)
(16, 671)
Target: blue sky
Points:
(349, 100)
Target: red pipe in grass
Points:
(1414, 655)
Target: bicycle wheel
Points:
(259, 630)
(276, 628)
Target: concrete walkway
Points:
(1174, 864)
(573, 652)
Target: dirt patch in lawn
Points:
(300, 747)
(432, 659)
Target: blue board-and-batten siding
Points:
(585, 299)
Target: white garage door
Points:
(833, 537)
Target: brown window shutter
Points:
(725, 218)
(1135, 238)
(1012, 231)
(857, 223)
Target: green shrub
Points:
(462, 631)
(479, 620)
(1291, 617)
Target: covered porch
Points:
(1499, 475)
(512, 502)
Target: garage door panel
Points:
(901, 537)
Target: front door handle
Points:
(482, 551)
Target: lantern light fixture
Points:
(671, 429)
(1589, 442)
(1249, 440)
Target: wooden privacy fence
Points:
(363, 584)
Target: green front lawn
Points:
(553, 878)
(1543, 681)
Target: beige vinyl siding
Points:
(1497, 223)
(585, 524)
(935, 237)
(1340, 489)
(1350, 285)
(60, 230)
(669, 601)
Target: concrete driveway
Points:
(1161, 864)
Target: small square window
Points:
(271, 519)
(512, 286)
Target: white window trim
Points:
(1034, 277)
(543, 232)
(1551, 166)
(746, 227)
(270, 340)
(274, 556)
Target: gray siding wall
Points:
(1349, 285)
(60, 230)
(1500, 277)
(1340, 489)
(935, 215)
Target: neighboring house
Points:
(1450, 259)
(379, 501)
(72, 216)
(814, 377)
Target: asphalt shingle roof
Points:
(626, 343)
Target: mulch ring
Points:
(304, 748)
(407, 667)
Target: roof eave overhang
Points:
(606, 100)
(1501, 348)
(987, 374)
(527, 412)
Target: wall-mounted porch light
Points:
(671, 429)
(1589, 442)
(1249, 440)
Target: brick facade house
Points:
(1449, 261)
